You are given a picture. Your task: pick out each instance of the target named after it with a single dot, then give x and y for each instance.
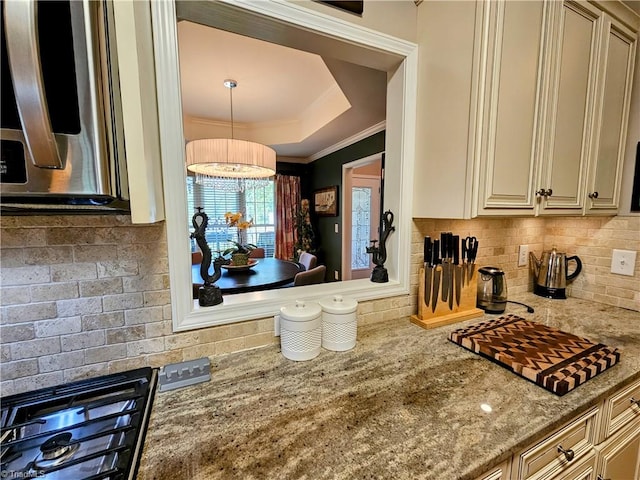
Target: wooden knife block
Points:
(443, 315)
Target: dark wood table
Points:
(269, 273)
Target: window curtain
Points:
(287, 202)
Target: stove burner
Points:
(56, 450)
(89, 429)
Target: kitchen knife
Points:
(458, 273)
(472, 251)
(428, 258)
(451, 254)
(444, 248)
(465, 266)
(437, 272)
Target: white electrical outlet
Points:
(336, 275)
(335, 228)
(523, 255)
(623, 262)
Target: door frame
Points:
(347, 172)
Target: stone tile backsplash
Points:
(83, 296)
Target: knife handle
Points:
(436, 252)
(456, 249)
(443, 245)
(427, 249)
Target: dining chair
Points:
(307, 260)
(257, 253)
(310, 277)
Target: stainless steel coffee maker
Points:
(551, 273)
(492, 290)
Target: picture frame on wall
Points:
(325, 201)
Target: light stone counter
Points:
(404, 404)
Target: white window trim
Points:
(400, 146)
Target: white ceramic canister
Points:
(300, 330)
(339, 323)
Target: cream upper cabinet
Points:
(510, 140)
(570, 108)
(522, 108)
(612, 113)
(588, 113)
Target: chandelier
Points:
(229, 164)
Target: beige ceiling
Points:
(296, 102)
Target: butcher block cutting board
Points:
(557, 361)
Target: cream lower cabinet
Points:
(619, 456)
(600, 444)
(501, 472)
(555, 456)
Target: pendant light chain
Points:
(231, 87)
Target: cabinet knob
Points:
(544, 193)
(634, 401)
(568, 454)
(593, 195)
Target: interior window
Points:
(257, 204)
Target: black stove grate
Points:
(88, 430)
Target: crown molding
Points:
(367, 132)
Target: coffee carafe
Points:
(551, 273)
(492, 290)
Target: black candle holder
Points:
(208, 294)
(379, 274)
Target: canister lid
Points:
(338, 304)
(301, 311)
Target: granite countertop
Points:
(403, 404)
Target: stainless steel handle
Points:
(593, 195)
(568, 454)
(21, 31)
(634, 401)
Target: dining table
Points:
(262, 274)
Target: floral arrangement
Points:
(235, 220)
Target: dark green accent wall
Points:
(326, 172)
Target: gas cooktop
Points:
(88, 430)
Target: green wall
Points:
(326, 172)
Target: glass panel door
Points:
(360, 227)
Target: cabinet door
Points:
(584, 470)
(618, 457)
(501, 472)
(570, 109)
(612, 104)
(510, 137)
